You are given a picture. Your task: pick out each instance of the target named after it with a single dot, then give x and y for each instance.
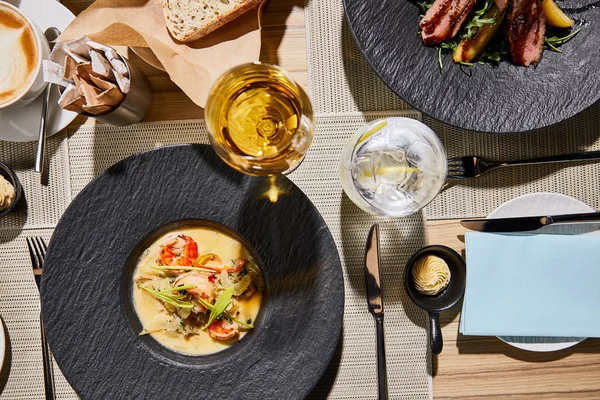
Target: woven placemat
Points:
(46, 196)
(479, 197)
(22, 374)
(341, 80)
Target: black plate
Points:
(501, 99)
(86, 306)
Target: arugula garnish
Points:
(553, 42)
(478, 20)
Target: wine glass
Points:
(259, 120)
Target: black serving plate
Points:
(502, 98)
(86, 287)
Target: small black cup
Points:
(443, 300)
(11, 177)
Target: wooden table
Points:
(469, 367)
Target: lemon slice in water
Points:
(372, 131)
(392, 170)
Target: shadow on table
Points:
(446, 317)
(491, 345)
(571, 136)
(37, 188)
(6, 366)
(399, 238)
(15, 221)
(275, 15)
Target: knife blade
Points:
(522, 224)
(372, 272)
(375, 302)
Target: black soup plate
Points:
(501, 98)
(92, 328)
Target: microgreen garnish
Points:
(220, 305)
(247, 324)
(424, 6)
(169, 298)
(478, 20)
(553, 42)
(178, 288)
(498, 47)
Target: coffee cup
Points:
(22, 49)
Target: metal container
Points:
(136, 103)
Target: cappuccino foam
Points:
(18, 54)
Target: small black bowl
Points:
(11, 177)
(443, 300)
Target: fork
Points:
(37, 252)
(474, 166)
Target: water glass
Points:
(393, 166)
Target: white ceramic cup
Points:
(36, 85)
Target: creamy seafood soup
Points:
(197, 290)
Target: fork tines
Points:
(456, 167)
(37, 251)
(464, 167)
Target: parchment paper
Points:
(193, 66)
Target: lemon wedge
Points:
(372, 131)
(555, 16)
(392, 170)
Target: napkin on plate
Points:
(531, 285)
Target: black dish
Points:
(85, 285)
(446, 298)
(11, 177)
(501, 98)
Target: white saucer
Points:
(546, 204)
(22, 124)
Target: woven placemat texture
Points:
(341, 80)
(352, 374)
(46, 196)
(22, 375)
(479, 197)
(92, 149)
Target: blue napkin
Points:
(532, 285)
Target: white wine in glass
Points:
(259, 120)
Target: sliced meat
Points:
(444, 19)
(525, 30)
(501, 4)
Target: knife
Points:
(520, 224)
(375, 302)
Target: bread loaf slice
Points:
(189, 20)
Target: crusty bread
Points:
(189, 20)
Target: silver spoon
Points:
(51, 35)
